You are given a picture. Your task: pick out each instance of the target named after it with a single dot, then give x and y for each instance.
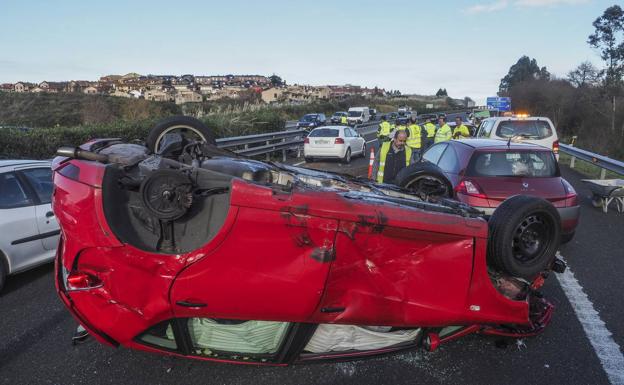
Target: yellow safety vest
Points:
(383, 153)
(413, 140)
(461, 131)
(431, 129)
(384, 129)
(343, 120)
(443, 134)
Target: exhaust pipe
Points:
(78, 153)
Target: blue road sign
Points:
(499, 103)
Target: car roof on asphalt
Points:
(500, 144)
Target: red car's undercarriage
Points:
(191, 259)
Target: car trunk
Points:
(497, 189)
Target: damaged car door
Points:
(277, 273)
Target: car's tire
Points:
(425, 180)
(308, 159)
(364, 150)
(524, 235)
(565, 238)
(3, 272)
(192, 128)
(347, 157)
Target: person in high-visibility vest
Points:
(460, 131)
(344, 121)
(430, 128)
(415, 138)
(444, 131)
(391, 158)
(401, 124)
(383, 134)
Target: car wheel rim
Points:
(187, 132)
(530, 239)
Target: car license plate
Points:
(322, 141)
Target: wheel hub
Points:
(529, 240)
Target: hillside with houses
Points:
(203, 88)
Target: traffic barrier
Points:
(370, 163)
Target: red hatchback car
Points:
(196, 252)
(484, 172)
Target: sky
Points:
(413, 46)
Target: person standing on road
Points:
(430, 128)
(344, 121)
(444, 132)
(415, 138)
(383, 134)
(391, 158)
(460, 131)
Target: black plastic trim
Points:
(36, 237)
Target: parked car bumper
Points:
(337, 151)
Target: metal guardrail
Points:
(270, 142)
(601, 161)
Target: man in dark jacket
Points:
(391, 158)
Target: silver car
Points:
(29, 232)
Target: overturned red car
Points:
(182, 248)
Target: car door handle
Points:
(190, 304)
(49, 214)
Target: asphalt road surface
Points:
(35, 337)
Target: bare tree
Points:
(585, 75)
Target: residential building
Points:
(91, 90)
(273, 95)
(24, 86)
(53, 87)
(79, 85)
(188, 97)
(121, 94)
(158, 96)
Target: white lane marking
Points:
(370, 141)
(299, 164)
(606, 348)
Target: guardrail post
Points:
(603, 173)
(572, 161)
(268, 154)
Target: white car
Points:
(535, 130)
(29, 232)
(333, 142)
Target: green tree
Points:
(608, 38)
(525, 69)
(441, 92)
(276, 81)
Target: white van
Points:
(358, 115)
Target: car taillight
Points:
(80, 280)
(307, 141)
(339, 141)
(468, 187)
(571, 198)
(556, 147)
